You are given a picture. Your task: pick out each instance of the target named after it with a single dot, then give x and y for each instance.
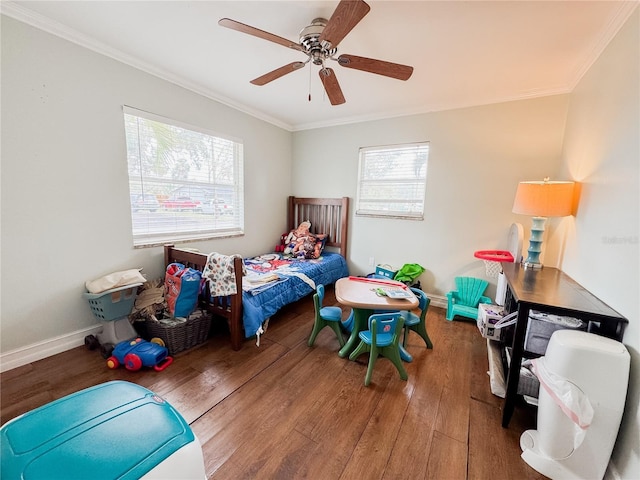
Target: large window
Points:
(184, 183)
(392, 181)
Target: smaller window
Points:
(392, 181)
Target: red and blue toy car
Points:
(137, 353)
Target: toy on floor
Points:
(137, 353)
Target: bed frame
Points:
(327, 215)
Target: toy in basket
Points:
(112, 308)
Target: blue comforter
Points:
(261, 303)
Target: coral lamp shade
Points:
(544, 199)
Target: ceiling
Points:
(464, 53)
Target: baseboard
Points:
(438, 301)
(37, 351)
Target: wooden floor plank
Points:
(448, 459)
(453, 412)
(370, 457)
(504, 447)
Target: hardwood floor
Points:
(287, 411)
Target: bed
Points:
(246, 311)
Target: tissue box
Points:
(488, 316)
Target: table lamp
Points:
(541, 200)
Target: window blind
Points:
(392, 181)
(185, 183)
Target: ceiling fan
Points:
(319, 41)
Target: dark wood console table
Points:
(550, 290)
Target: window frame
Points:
(364, 181)
(205, 226)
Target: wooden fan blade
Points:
(331, 86)
(388, 69)
(256, 32)
(277, 73)
(346, 16)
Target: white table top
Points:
(361, 293)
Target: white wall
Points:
(477, 157)
(602, 151)
(65, 198)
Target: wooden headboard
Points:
(327, 215)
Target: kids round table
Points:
(361, 295)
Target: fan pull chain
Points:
(309, 83)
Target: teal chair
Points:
(325, 317)
(465, 300)
(382, 338)
(415, 322)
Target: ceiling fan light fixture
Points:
(315, 28)
(319, 42)
(310, 43)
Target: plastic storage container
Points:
(113, 430)
(542, 325)
(114, 303)
(386, 271)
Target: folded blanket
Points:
(220, 273)
(115, 280)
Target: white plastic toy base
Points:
(185, 463)
(537, 460)
(589, 460)
(116, 331)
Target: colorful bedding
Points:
(273, 281)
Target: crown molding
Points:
(612, 28)
(433, 109)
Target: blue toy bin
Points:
(114, 303)
(112, 430)
(386, 271)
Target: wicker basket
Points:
(181, 336)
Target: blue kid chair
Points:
(382, 338)
(325, 317)
(415, 322)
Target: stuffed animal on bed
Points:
(296, 238)
(301, 243)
